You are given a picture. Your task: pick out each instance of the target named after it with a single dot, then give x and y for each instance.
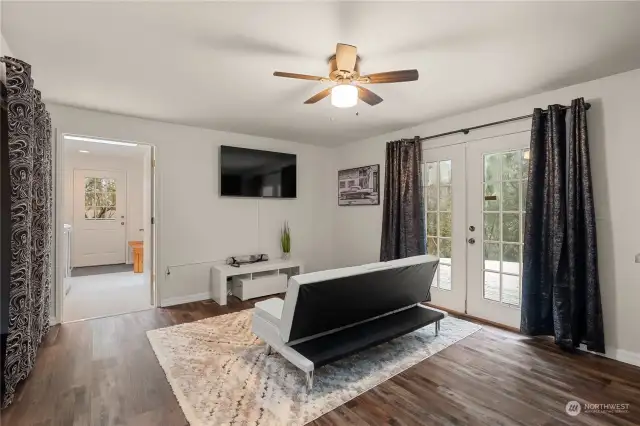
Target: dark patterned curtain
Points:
(584, 285)
(403, 221)
(560, 288)
(544, 221)
(30, 180)
(5, 227)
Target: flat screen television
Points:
(255, 173)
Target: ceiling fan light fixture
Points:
(344, 96)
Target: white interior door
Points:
(444, 175)
(100, 204)
(496, 185)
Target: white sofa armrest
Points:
(270, 309)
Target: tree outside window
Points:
(99, 198)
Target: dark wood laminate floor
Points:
(103, 372)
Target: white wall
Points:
(196, 225)
(613, 132)
(133, 166)
(4, 47)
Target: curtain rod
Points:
(494, 123)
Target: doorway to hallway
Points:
(107, 200)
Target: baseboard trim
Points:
(628, 357)
(53, 321)
(172, 301)
(621, 355)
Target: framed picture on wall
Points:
(359, 186)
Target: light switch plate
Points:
(638, 258)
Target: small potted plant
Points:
(285, 241)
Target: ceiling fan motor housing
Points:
(340, 75)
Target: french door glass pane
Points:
(439, 207)
(511, 227)
(511, 258)
(432, 173)
(432, 198)
(445, 198)
(445, 225)
(492, 226)
(510, 289)
(511, 196)
(492, 168)
(511, 165)
(525, 164)
(445, 250)
(432, 246)
(492, 286)
(492, 256)
(505, 175)
(444, 281)
(492, 193)
(432, 224)
(445, 172)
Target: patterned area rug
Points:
(220, 375)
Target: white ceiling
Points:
(211, 64)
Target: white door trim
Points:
(59, 192)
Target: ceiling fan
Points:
(344, 70)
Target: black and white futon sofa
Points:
(332, 314)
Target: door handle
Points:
(471, 240)
(121, 223)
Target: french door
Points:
(475, 196)
(497, 183)
(444, 180)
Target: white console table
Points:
(258, 272)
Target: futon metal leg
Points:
(309, 381)
(267, 350)
(437, 328)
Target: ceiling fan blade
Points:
(346, 57)
(299, 76)
(318, 96)
(368, 96)
(391, 77)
